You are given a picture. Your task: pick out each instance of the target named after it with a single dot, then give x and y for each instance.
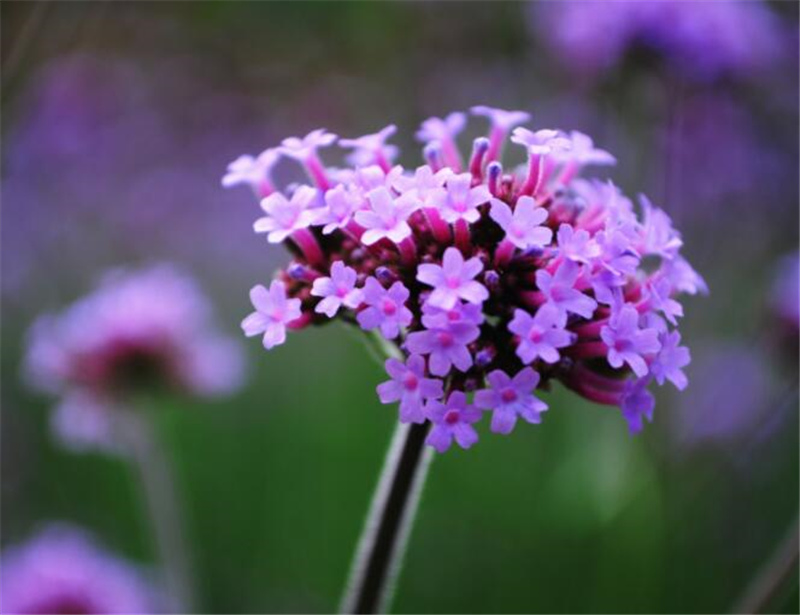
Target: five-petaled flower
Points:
(285, 216)
(386, 308)
(509, 398)
(627, 342)
(338, 290)
(523, 226)
(540, 335)
(273, 312)
(459, 200)
(452, 420)
(454, 279)
(410, 387)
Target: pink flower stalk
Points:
(511, 277)
(137, 330)
(63, 570)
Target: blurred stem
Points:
(158, 490)
(389, 521)
(766, 586)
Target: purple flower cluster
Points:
(491, 282)
(137, 329)
(62, 570)
(703, 40)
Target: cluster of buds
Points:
(490, 282)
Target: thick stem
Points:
(388, 524)
(158, 490)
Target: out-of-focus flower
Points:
(704, 41)
(138, 329)
(63, 570)
(785, 297)
(254, 172)
(463, 274)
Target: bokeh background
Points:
(118, 120)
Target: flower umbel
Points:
(485, 279)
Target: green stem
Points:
(387, 528)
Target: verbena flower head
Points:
(492, 282)
(137, 330)
(62, 570)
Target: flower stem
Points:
(388, 524)
(158, 490)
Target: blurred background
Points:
(119, 120)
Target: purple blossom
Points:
(458, 200)
(670, 361)
(540, 142)
(446, 342)
(424, 184)
(63, 570)
(386, 217)
(453, 280)
(340, 205)
(433, 316)
(284, 217)
(683, 277)
(500, 118)
(251, 171)
(151, 327)
(637, 404)
(510, 398)
(627, 343)
(305, 148)
(273, 312)
(657, 296)
(387, 308)
(442, 130)
(338, 290)
(371, 148)
(409, 385)
(523, 226)
(576, 245)
(452, 420)
(659, 236)
(540, 335)
(581, 151)
(559, 290)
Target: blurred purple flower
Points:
(62, 570)
(137, 329)
(704, 40)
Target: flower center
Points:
(389, 307)
(453, 282)
(445, 338)
(535, 335)
(453, 315)
(410, 382)
(508, 395)
(341, 291)
(451, 417)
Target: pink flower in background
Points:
(63, 570)
(137, 329)
(465, 276)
